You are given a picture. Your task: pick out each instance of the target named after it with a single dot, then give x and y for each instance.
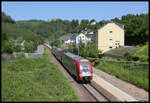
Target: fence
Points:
(6, 57)
(134, 72)
(32, 55)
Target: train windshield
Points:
(85, 66)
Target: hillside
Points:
(121, 51)
(14, 34)
(143, 52)
(14, 30)
(51, 30)
(135, 26)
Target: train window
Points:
(85, 64)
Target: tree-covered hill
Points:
(6, 19)
(14, 32)
(51, 30)
(135, 26)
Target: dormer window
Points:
(110, 31)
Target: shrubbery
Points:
(85, 50)
(56, 43)
(7, 45)
(30, 46)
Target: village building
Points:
(66, 38)
(74, 38)
(110, 36)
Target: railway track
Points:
(95, 91)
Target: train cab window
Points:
(85, 65)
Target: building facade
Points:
(78, 37)
(74, 38)
(110, 36)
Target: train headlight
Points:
(80, 70)
(81, 67)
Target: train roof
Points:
(71, 55)
(59, 49)
(76, 57)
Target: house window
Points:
(117, 43)
(110, 31)
(110, 38)
(110, 47)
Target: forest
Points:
(37, 31)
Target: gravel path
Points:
(137, 93)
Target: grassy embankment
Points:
(143, 52)
(35, 79)
(122, 50)
(133, 72)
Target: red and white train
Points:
(78, 66)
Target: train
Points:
(78, 67)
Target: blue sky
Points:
(72, 10)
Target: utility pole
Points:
(78, 49)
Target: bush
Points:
(17, 48)
(128, 56)
(86, 50)
(143, 59)
(7, 47)
(30, 46)
(134, 58)
(7, 44)
(56, 43)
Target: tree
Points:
(17, 48)
(115, 20)
(84, 49)
(30, 46)
(93, 20)
(94, 52)
(56, 43)
(71, 47)
(7, 44)
(7, 19)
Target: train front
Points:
(85, 70)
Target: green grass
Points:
(143, 52)
(35, 79)
(122, 50)
(133, 72)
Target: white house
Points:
(93, 23)
(74, 38)
(78, 37)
